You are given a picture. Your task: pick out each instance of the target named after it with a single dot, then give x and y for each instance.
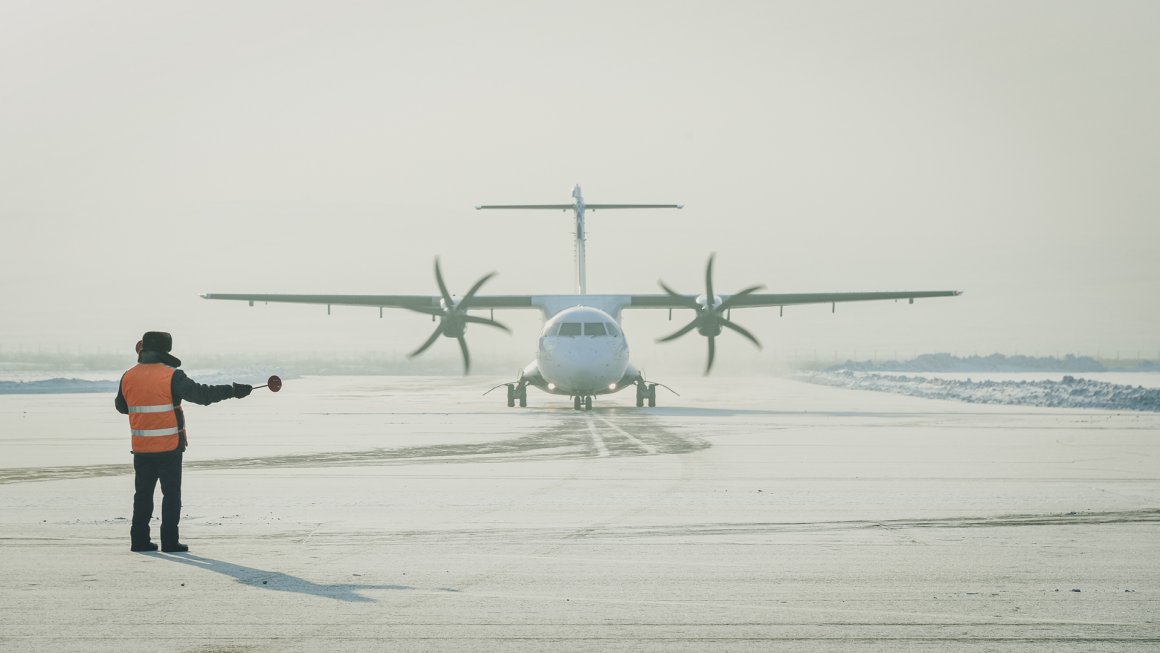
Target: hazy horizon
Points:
(153, 152)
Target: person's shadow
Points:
(279, 582)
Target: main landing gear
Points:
(646, 392)
(582, 403)
(517, 392)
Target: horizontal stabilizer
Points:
(557, 207)
(590, 207)
(593, 207)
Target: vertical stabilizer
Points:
(581, 237)
(578, 208)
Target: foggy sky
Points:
(154, 151)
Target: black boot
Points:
(174, 547)
(143, 546)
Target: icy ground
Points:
(390, 513)
(1068, 392)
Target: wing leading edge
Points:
(754, 300)
(429, 304)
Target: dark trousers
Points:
(149, 469)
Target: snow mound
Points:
(55, 386)
(1070, 364)
(1069, 392)
(60, 385)
(994, 363)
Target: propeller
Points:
(453, 317)
(710, 318)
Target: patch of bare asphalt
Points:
(568, 437)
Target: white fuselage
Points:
(582, 352)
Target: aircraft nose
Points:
(589, 365)
(594, 370)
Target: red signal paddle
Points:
(274, 383)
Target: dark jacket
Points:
(182, 388)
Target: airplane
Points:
(583, 352)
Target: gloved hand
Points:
(242, 390)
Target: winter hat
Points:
(160, 343)
(157, 341)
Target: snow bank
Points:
(61, 385)
(55, 386)
(994, 363)
(1069, 392)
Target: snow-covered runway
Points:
(375, 513)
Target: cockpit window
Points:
(594, 329)
(612, 330)
(569, 329)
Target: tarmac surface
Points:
(387, 513)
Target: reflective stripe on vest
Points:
(153, 433)
(163, 408)
(147, 389)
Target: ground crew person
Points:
(151, 394)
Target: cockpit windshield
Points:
(595, 329)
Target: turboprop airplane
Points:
(582, 348)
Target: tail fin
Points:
(579, 207)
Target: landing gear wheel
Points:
(523, 396)
(652, 395)
(511, 395)
(639, 395)
(576, 402)
(588, 403)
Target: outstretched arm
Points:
(186, 389)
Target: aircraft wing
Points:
(786, 299)
(429, 304)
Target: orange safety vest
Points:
(152, 414)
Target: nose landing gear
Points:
(517, 392)
(582, 403)
(646, 392)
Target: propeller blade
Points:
(483, 320)
(475, 288)
(684, 299)
(442, 286)
(712, 354)
(430, 340)
(740, 329)
(709, 296)
(682, 331)
(728, 303)
(466, 356)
